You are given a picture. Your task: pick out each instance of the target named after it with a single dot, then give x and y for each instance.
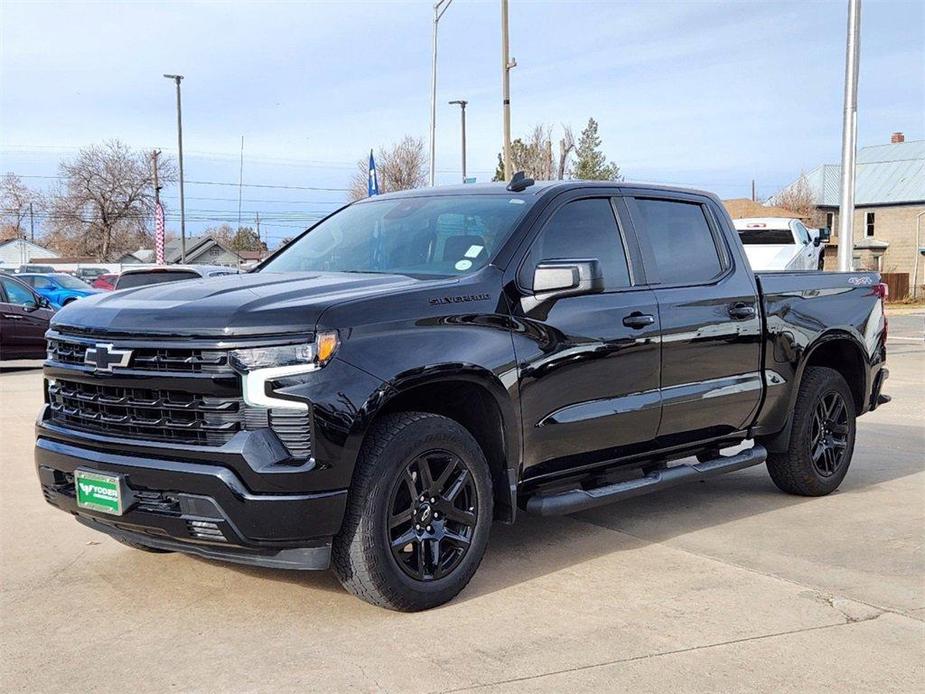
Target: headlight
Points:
(317, 353)
(261, 366)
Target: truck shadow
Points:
(537, 547)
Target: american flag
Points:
(159, 234)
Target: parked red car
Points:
(24, 317)
(106, 282)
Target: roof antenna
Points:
(520, 182)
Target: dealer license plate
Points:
(99, 492)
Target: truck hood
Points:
(767, 257)
(228, 306)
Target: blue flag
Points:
(373, 185)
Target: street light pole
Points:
(177, 78)
(506, 65)
(439, 8)
(462, 109)
(849, 141)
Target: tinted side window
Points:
(803, 233)
(681, 241)
(581, 229)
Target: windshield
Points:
(770, 237)
(69, 282)
(427, 236)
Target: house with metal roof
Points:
(889, 217)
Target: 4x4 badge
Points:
(104, 357)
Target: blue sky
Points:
(709, 94)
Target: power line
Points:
(216, 183)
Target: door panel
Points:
(711, 378)
(23, 324)
(588, 383)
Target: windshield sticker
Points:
(463, 265)
(474, 251)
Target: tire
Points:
(444, 542)
(820, 447)
(143, 548)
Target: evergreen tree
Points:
(590, 162)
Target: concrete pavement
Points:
(720, 586)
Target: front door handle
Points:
(12, 316)
(742, 311)
(638, 320)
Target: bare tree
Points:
(15, 199)
(799, 198)
(400, 167)
(105, 204)
(533, 154)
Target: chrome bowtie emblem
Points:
(104, 357)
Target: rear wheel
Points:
(821, 437)
(418, 518)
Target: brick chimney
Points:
(896, 138)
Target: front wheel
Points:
(419, 513)
(821, 437)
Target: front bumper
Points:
(196, 507)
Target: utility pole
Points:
(177, 78)
(849, 141)
(32, 220)
(439, 8)
(753, 190)
(462, 109)
(506, 65)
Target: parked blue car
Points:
(60, 289)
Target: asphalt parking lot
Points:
(720, 586)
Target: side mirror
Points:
(555, 279)
(825, 234)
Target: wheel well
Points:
(474, 407)
(845, 357)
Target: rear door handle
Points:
(742, 311)
(638, 320)
(12, 316)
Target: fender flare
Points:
(450, 372)
(779, 441)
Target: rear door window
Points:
(683, 246)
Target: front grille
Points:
(142, 413)
(176, 412)
(175, 360)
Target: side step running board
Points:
(582, 499)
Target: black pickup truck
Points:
(419, 364)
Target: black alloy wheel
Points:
(829, 434)
(814, 457)
(433, 511)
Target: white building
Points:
(16, 252)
